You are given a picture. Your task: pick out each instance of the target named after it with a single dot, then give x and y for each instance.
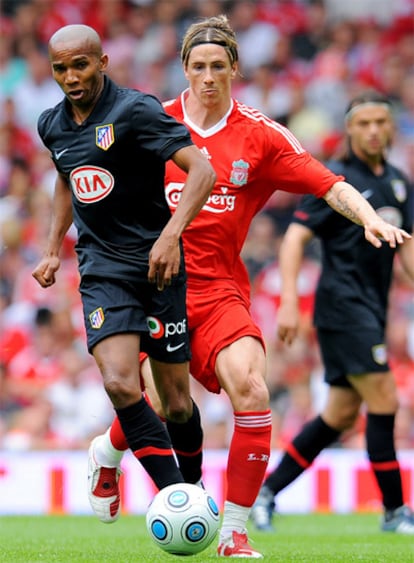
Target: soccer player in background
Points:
(350, 313)
(109, 146)
(253, 157)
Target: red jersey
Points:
(253, 156)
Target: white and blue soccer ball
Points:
(183, 519)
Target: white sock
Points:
(104, 452)
(235, 519)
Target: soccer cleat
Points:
(237, 546)
(103, 489)
(261, 513)
(400, 520)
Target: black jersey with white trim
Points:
(115, 165)
(355, 277)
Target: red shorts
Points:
(218, 314)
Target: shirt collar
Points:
(105, 102)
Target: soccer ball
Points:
(183, 519)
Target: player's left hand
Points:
(164, 261)
(380, 230)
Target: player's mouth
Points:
(76, 94)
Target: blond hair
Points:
(215, 30)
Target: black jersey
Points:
(355, 277)
(115, 166)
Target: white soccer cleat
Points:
(103, 489)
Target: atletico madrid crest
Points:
(105, 136)
(399, 189)
(97, 318)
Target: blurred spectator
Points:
(256, 39)
(264, 93)
(18, 139)
(27, 375)
(306, 43)
(261, 244)
(79, 406)
(37, 365)
(309, 121)
(13, 69)
(37, 92)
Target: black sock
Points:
(311, 440)
(149, 441)
(187, 441)
(381, 452)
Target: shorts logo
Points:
(97, 318)
(155, 327)
(379, 353)
(171, 348)
(91, 183)
(158, 330)
(105, 136)
(239, 173)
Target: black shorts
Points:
(112, 306)
(345, 353)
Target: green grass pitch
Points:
(313, 538)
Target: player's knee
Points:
(120, 390)
(341, 419)
(179, 409)
(251, 394)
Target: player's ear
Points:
(103, 62)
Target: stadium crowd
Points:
(302, 60)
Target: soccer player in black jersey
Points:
(109, 146)
(350, 313)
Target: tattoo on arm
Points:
(339, 201)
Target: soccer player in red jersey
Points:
(253, 157)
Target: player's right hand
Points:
(287, 322)
(44, 273)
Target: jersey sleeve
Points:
(47, 130)
(158, 131)
(292, 168)
(312, 212)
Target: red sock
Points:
(117, 436)
(248, 456)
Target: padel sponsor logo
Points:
(158, 330)
(91, 183)
(218, 202)
(155, 327)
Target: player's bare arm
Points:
(164, 259)
(45, 271)
(347, 201)
(290, 260)
(406, 252)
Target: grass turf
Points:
(306, 538)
